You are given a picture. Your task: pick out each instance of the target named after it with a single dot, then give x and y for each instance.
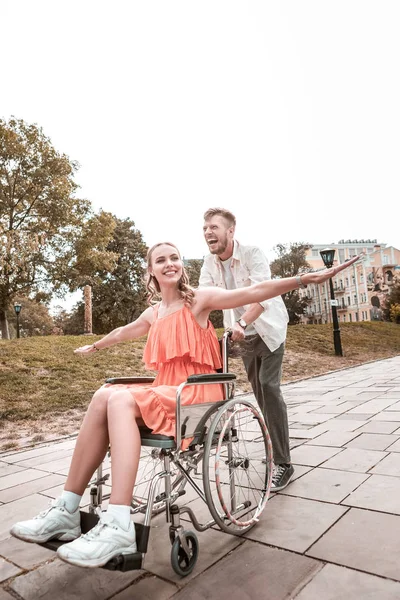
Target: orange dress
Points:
(176, 347)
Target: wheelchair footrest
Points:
(122, 562)
(125, 562)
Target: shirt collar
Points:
(235, 254)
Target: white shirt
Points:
(249, 265)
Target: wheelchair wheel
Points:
(183, 559)
(237, 466)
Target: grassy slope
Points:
(41, 375)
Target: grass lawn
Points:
(45, 388)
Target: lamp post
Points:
(17, 308)
(328, 256)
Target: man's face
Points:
(219, 236)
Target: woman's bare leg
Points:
(124, 435)
(92, 443)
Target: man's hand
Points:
(237, 333)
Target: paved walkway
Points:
(333, 534)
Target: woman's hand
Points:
(86, 349)
(325, 274)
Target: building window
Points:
(347, 282)
(315, 253)
(355, 298)
(344, 318)
(341, 255)
(350, 318)
(348, 301)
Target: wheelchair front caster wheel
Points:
(183, 559)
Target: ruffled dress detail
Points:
(176, 347)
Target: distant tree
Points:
(34, 318)
(290, 262)
(119, 295)
(393, 299)
(47, 236)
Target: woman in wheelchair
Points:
(181, 342)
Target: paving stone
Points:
(25, 489)
(353, 417)
(294, 523)
(333, 438)
(252, 571)
(313, 418)
(40, 451)
(6, 469)
(372, 441)
(312, 455)
(337, 583)
(57, 466)
(150, 588)
(20, 477)
(214, 545)
(42, 460)
(379, 427)
(396, 446)
(327, 485)
(20, 510)
(5, 595)
(363, 540)
(388, 466)
(379, 492)
(394, 407)
(23, 554)
(334, 408)
(7, 570)
(373, 406)
(66, 582)
(355, 459)
(338, 424)
(387, 416)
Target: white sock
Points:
(72, 500)
(121, 513)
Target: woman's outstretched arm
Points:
(219, 299)
(128, 332)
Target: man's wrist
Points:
(242, 323)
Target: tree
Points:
(290, 262)
(393, 299)
(119, 295)
(34, 318)
(46, 233)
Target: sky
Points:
(286, 113)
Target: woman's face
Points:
(166, 265)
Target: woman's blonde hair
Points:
(152, 285)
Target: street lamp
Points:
(17, 308)
(328, 256)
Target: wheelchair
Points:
(224, 445)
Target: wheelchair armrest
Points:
(211, 378)
(130, 380)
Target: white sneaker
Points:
(54, 523)
(95, 548)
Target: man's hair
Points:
(221, 212)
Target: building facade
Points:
(360, 291)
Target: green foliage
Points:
(34, 318)
(395, 313)
(392, 299)
(47, 235)
(290, 262)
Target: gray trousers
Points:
(264, 370)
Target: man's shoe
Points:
(54, 523)
(95, 548)
(281, 477)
